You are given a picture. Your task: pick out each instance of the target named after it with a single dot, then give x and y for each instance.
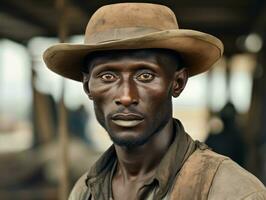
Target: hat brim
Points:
(199, 51)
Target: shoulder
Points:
(233, 182)
(99, 169)
(80, 189)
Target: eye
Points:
(108, 77)
(145, 77)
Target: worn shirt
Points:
(96, 184)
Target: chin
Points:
(130, 142)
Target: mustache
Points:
(125, 110)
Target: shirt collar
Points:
(180, 149)
(99, 178)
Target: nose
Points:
(127, 94)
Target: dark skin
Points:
(132, 98)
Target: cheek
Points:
(102, 95)
(98, 91)
(157, 93)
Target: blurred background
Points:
(48, 132)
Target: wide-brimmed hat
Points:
(135, 26)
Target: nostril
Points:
(135, 102)
(117, 102)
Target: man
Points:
(134, 60)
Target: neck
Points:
(142, 160)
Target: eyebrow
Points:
(137, 64)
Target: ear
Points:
(86, 85)
(180, 81)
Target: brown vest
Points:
(195, 178)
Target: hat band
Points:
(118, 34)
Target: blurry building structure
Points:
(225, 135)
(30, 94)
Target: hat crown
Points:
(119, 21)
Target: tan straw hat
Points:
(135, 26)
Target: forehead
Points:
(162, 57)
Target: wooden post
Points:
(62, 128)
(63, 156)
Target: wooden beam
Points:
(18, 29)
(87, 7)
(26, 11)
(61, 6)
(11, 37)
(257, 16)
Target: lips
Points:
(127, 119)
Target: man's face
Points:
(131, 96)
